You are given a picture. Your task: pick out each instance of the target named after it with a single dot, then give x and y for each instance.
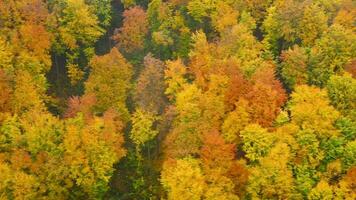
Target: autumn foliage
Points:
(177, 99)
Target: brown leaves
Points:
(239, 87)
(149, 94)
(264, 93)
(130, 37)
(39, 46)
(266, 97)
(5, 94)
(215, 153)
(82, 104)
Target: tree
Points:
(149, 94)
(6, 56)
(311, 110)
(130, 37)
(258, 9)
(256, 141)
(109, 81)
(78, 25)
(238, 88)
(73, 152)
(37, 47)
(142, 128)
(345, 15)
(199, 9)
(341, 91)
(239, 43)
(212, 103)
(19, 50)
(281, 25)
(218, 160)
(26, 95)
(294, 67)
(6, 93)
(344, 188)
(266, 97)
(185, 138)
(349, 155)
(183, 179)
(78, 30)
(201, 59)
(225, 17)
(217, 156)
(320, 143)
(84, 105)
(53, 158)
(272, 178)
(220, 188)
(331, 53)
(235, 122)
(174, 78)
(321, 191)
(90, 151)
(313, 23)
(103, 11)
(128, 3)
(171, 35)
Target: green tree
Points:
(78, 30)
(331, 53)
(294, 66)
(142, 128)
(78, 25)
(342, 93)
(256, 141)
(103, 11)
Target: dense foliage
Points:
(178, 99)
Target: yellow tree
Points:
(90, 151)
(184, 139)
(313, 23)
(142, 128)
(183, 179)
(174, 78)
(311, 110)
(78, 25)
(256, 141)
(26, 95)
(218, 161)
(273, 178)
(109, 81)
(235, 122)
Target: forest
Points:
(177, 99)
